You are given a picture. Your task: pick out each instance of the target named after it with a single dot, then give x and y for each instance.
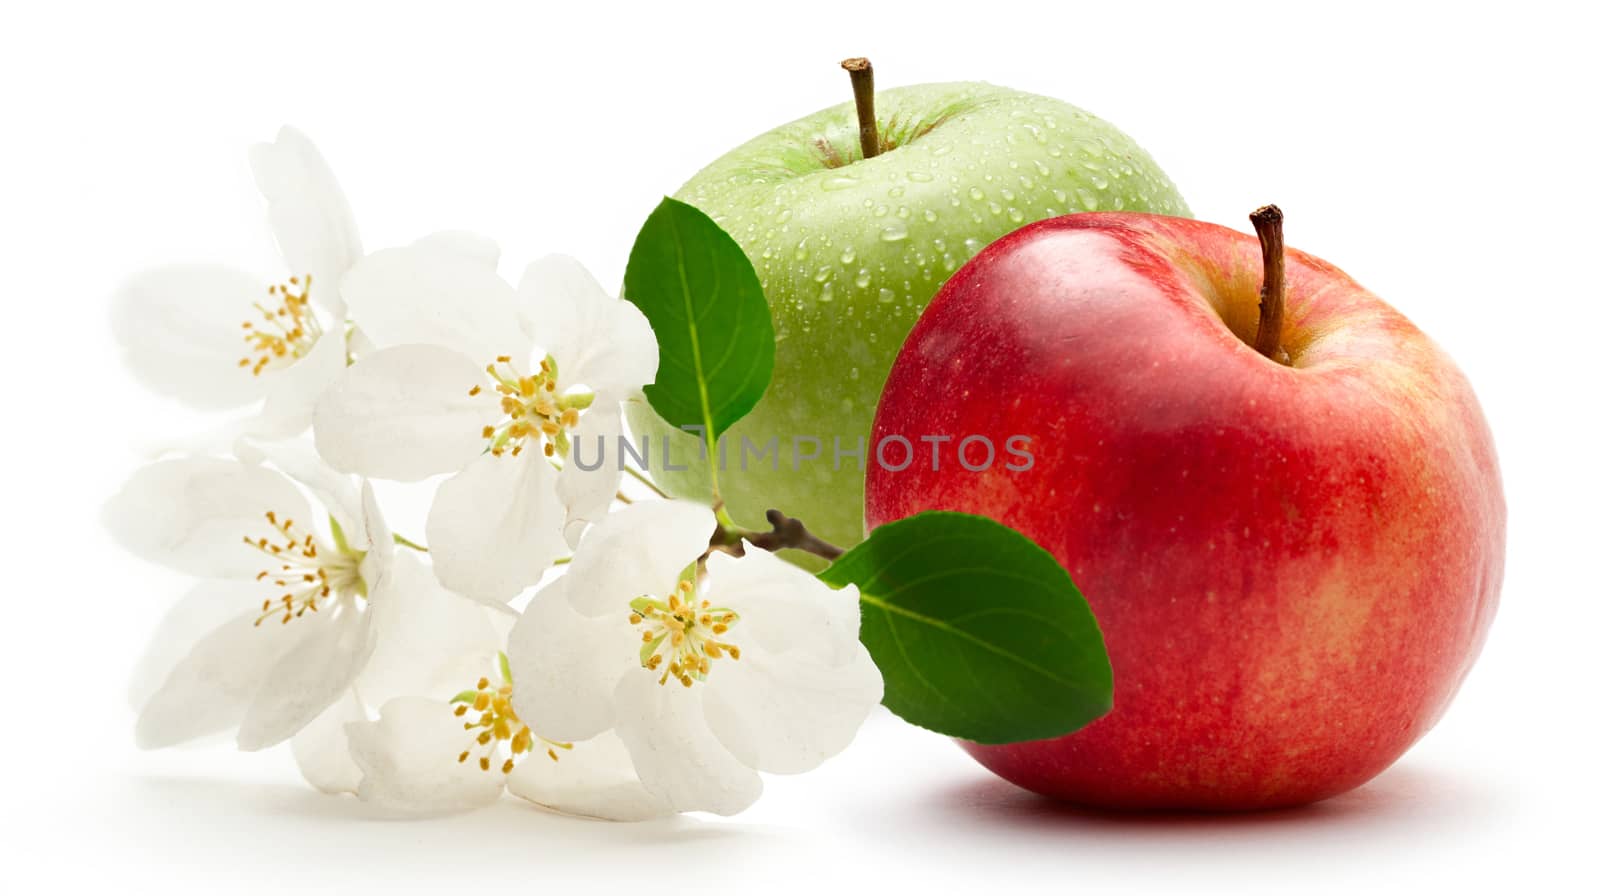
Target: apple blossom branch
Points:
(786, 533)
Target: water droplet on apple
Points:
(1088, 200)
(920, 177)
(893, 231)
(972, 246)
(855, 373)
(902, 213)
(839, 182)
(942, 149)
(886, 295)
(880, 211)
(785, 215)
(930, 215)
(1099, 181)
(1008, 196)
(976, 194)
(801, 253)
(1015, 215)
(896, 192)
(848, 256)
(823, 273)
(1042, 168)
(827, 292)
(949, 262)
(863, 278)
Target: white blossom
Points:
(217, 338)
(705, 678)
(493, 385)
(294, 621)
(425, 756)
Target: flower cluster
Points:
(656, 670)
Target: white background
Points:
(1446, 159)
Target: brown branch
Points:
(787, 533)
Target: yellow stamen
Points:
(688, 637)
(532, 408)
(287, 330)
(306, 574)
(497, 723)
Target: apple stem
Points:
(1268, 221)
(787, 532)
(860, 69)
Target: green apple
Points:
(850, 250)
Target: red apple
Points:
(1294, 561)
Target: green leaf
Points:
(979, 632)
(703, 298)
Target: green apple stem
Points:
(1268, 221)
(860, 69)
(786, 532)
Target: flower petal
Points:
(431, 293)
(293, 391)
(565, 665)
(308, 678)
(212, 687)
(787, 713)
(495, 527)
(196, 614)
(677, 756)
(595, 779)
(310, 218)
(376, 538)
(784, 608)
(465, 243)
(430, 642)
(408, 760)
(194, 514)
(323, 752)
(405, 413)
(640, 549)
(179, 331)
(598, 340)
(335, 491)
(588, 494)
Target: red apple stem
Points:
(860, 69)
(1268, 221)
(787, 532)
